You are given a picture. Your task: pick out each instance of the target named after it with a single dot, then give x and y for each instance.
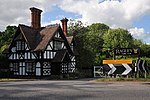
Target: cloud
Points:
(116, 13)
(139, 33)
(52, 22)
(14, 12)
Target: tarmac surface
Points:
(73, 90)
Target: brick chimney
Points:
(64, 25)
(35, 17)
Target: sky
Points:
(133, 15)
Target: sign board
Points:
(98, 71)
(141, 64)
(126, 51)
(117, 61)
(122, 69)
(118, 66)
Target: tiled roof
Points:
(46, 35)
(37, 39)
(31, 36)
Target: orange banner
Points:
(117, 61)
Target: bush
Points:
(3, 62)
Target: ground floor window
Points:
(65, 68)
(15, 67)
(46, 68)
(30, 67)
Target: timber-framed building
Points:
(41, 51)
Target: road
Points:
(73, 90)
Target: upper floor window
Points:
(58, 45)
(57, 35)
(20, 45)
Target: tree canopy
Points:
(5, 40)
(96, 42)
(6, 37)
(118, 38)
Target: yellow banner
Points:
(117, 61)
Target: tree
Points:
(137, 43)
(6, 37)
(145, 50)
(75, 27)
(89, 41)
(118, 38)
(94, 41)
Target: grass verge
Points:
(121, 80)
(11, 79)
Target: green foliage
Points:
(5, 40)
(93, 37)
(146, 59)
(75, 27)
(89, 42)
(94, 41)
(3, 48)
(3, 62)
(118, 38)
(97, 41)
(145, 50)
(6, 37)
(137, 43)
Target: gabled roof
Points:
(61, 55)
(71, 40)
(36, 39)
(46, 35)
(31, 35)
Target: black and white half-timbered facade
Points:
(41, 51)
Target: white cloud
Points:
(52, 22)
(115, 13)
(120, 13)
(14, 12)
(139, 33)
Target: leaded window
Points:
(58, 45)
(30, 67)
(15, 67)
(20, 45)
(46, 68)
(64, 68)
